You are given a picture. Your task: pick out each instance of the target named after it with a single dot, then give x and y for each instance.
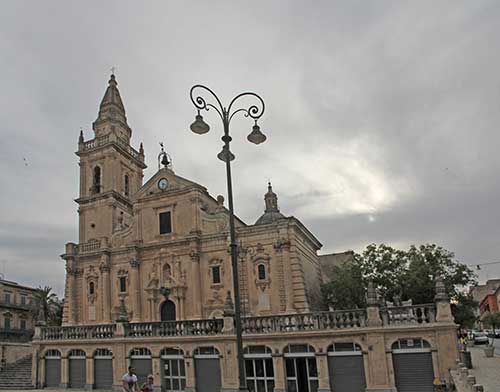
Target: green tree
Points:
(346, 289)
(384, 265)
(407, 275)
(492, 320)
(46, 306)
(463, 310)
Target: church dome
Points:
(272, 212)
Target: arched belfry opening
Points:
(167, 311)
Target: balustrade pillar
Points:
(106, 289)
(443, 308)
(89, 365)
(135, 290)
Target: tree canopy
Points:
(397, 274)
(46, 306)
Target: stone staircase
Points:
(17, 375)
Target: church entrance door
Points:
(168, 311)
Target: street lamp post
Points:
(199, 126)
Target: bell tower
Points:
(111, 170)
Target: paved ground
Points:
(486, 370)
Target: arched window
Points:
(91, 288)
(96, 182)
(126, 185)
(261, 269)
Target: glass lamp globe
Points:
(199, 126)
(256, 136)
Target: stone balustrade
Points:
(409, 315)
(305, 322)
(175, 328)
(90, 246)
(100, 141)
(105, 331)
(315, 321)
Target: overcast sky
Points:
(382, 117)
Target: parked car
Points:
(480, 338)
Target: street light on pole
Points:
(199, 126)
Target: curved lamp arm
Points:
(254, 111)
(201, 103)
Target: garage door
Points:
(52, 369)
(346, 368)
(140, 360)
(77, 369)
(103, 369)
(413, 368)
(207, 369)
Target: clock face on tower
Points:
(163, 184)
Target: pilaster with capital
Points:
(135, 289)
(106, 288)
(196, 286)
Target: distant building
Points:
(16, 321)
(486, 296)
(329, 261)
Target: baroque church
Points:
(159, 250)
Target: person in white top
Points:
(130, 380)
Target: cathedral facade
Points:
(162, 246)
(149, 284)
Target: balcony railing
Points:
(409, 315)
(90, 246)
(305, 322)
(283, 323)
(15, 335)
(100, 141)
(175, 328)
(105, 331)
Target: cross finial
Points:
(113, 69)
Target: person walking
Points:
(129, 381)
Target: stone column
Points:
(196, 287)
(190, 377)
(279, 373)
(64, 371)
(89, 364)
(156, 366)
(71, 306)
(323, 377)
(378, 370)
(106, 289)
(135, 289)
(120, 363)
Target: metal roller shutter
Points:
(207, 373)
(413, 372)
(103, 373)
(77, 373)
(142, 369)
(52, 373)
(347, 373)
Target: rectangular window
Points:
(23, 324)
(7, 298)
(165, 223)
(23, 300)
(216, 274)
(7, 323)
(123, 284)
